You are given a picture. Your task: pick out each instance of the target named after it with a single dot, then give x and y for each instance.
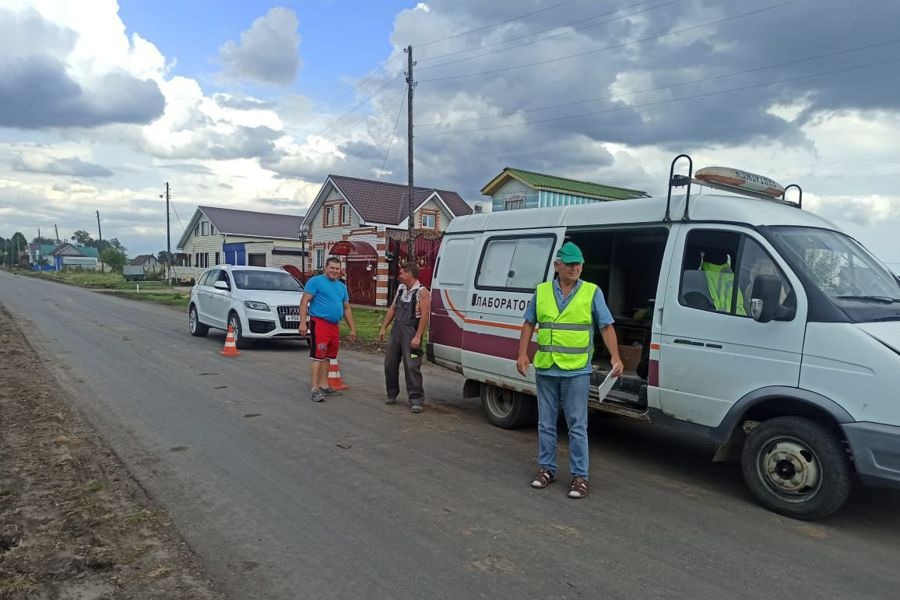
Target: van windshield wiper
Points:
(881, 299)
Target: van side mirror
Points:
(765, 298)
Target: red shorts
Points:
(324, 339)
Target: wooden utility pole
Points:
(100, 236)
(410, 84)
(56, 229)
(168, 230)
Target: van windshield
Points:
(843, 269)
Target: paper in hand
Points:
(607, 385)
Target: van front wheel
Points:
(508, 409)
(797, 467)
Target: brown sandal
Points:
(578, 488)
(543, 478)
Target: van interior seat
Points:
(695, 290)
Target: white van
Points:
(740, 318)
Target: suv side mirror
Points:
(221, 285)
(765, 298)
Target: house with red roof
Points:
(365, 222)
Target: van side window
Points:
(718, 270)
(707, 271)
(454, 263)
(515, 263)
(754, 261)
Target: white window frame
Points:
(433, 218)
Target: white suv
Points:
(258, 303)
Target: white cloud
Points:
(268, 51)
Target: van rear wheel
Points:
(508, 409)
(797, 467)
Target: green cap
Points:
(570, 253)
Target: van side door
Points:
(510, 266)
(712, 352)
(449, 290)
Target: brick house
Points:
(365, 223)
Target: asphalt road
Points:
(284, 498)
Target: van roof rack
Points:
(729, 180)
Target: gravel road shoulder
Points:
(73, 523)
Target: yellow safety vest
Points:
(564, 338)
(720, 280)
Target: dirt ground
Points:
(73, 524)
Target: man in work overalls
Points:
(409, 312)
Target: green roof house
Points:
(516, 188)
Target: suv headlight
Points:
(252, 305)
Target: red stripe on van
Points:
(653, 373)
(444, 330)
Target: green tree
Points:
(82, 238)
(19, 247)
(114, 258)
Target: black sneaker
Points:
(390, 401)
(317, 395)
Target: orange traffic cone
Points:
(334, 376)
(230, 349)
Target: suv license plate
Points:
(289, 318)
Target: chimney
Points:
(478, 208)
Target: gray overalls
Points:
(403, 330)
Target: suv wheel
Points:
(197, 328)
(235, 322)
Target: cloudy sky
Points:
(252, 104)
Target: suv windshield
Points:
(840, 266)
(266, 280)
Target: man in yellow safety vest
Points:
(565, 312)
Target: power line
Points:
(543, 39)
(391, 141)
(615, 46)
(498, 23)
(383, 68)
(680, 84)
(335, 121)
(668, 101)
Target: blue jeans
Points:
(572, 394)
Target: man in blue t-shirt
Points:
(325, 300)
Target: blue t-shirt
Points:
(599, 314)
(328, 297)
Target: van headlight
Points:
(252, 305)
